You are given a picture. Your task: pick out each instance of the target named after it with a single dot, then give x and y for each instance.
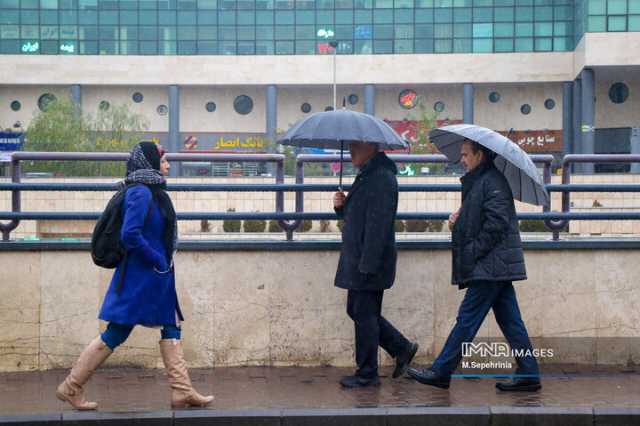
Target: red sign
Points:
(537, 141)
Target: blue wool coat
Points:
(146, 297)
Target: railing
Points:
(555, 221)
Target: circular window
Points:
(549, 104)
(408, 99)
(525, 109)
(305, 107)
(45, 100)
(243, 104)
(494, 97)
(162, 110)
(353, 99)
(618, 93)
(16, 105)
(210, 106)
(329, 108)
(137, 97)
(438, 106)
(104, 106)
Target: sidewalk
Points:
(566, 390)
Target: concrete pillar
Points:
(174, 125)
(588, 116)
(370, 99)
(467, 104)
(272, 112)
(567, 117)
(76, 97)
(577, 120)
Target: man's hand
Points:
(453, 217)
(338, 200)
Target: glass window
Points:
(246, 33)
(148, 33)
(165, 17)
(443, 46)
(224, 18)
(88, 47)
(617, 7)
(48, 17)
(187, 48)
(549, 104)
(383, 17)
(246, 48)
(463, 15)
(10, 46)
(246, 18)
(544, 44)
(225, 33)
(443, 15)
(84, 4)
(9, 32)
(482, 30)
(207, 4)
(49, 32)
(207, 47)
(29, 31)
(525, 109)
(562, 29)
(634, 23)
(264, 18)
(494, 97)
(524, 44)
(462, 30)
(343, 17)
(208, 32)
(482, 45)
(524, 30)
(524, 14)
(264, 33)
(344, 32)
(284, 32)
(324, 17)
(306, 17)
(403, 31)
(189, 18)
(363, 17)
(424, 31)
(482, 14)
(503, 30)
(618, 93)
(28, 17)
(167, 47)
(382, 32)
(403, 46)
(167, 33)
(89, 33)
(264, 48)
(423, 46)
(305, 32)
(285, 18)
(148, 5)
(109, 33)
(563, 13)
(383, 46)
(45, 100)
(504, 14)
(544, 14)
(305, 47)
(88, 17)
(438, 106)
(543, 29)
(596, 24)
(443, 30)
(189, 33)
(462, 45)
(403, 16)
(562, 44)
(9, 17)
(597, 7)
(128, 33)
(424, 16)
(128, 17)
(68, 17)
(617, 23)
(207, 18)
(284, 48)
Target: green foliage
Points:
(255, 225)
(62, 128)
(340, 224)
(416, 225)
(399, 226)
(231, 225)
(425, 122)
(305, 226)
(531, 225)
(274, 226)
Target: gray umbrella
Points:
(523, 176)
(337, 129)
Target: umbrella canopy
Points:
(337, 129)
(523, 176)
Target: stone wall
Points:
(281, 308)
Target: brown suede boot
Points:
(90, 359)
(182, 392)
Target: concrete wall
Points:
(281, 308)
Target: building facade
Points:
(561, 75)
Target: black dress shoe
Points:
(359, 382)
(404, 360)
(520, 385)
(429, 377)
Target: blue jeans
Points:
(480, 297)
(116, 334)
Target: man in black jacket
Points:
(367, 264)
(487, 257)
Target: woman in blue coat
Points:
(147, 293)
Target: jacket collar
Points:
(378, 160)
(471, 177)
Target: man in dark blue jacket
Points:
(367, 263)
(487, 257)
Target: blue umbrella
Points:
(338, 129)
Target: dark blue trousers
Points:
(372, 330)
(482, 296)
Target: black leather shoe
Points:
(520, 385)
(429, 377)
(359, 382)
(404, 360)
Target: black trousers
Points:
(372, 330)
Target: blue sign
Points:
(10, 141)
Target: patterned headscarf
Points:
(139, 167)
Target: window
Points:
(353, 99)
(162, 110)
(525, 109)
(305, 107)
(45, 100)
(15, 106)
(210, 106)
(137, 97)
(104, 106)
(549, 104)
(438, 106)
(618, 93)
(494, 97)
(243, 104)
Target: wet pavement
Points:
(250, 388)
